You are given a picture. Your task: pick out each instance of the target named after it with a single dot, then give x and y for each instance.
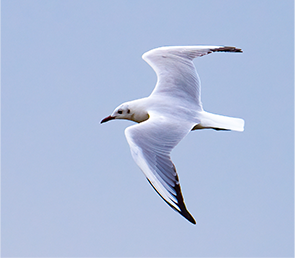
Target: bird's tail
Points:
(219, 122)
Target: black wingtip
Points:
(183, 211)
(227, 49)
(188, 216)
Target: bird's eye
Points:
(120, 111)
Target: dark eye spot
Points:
(120, 111)
(128, 110)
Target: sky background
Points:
(70, 187)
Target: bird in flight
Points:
(173, 109)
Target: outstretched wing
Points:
(176, 72)
(151, 143)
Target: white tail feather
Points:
(209, 120)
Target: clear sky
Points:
(70, 187)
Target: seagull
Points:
(163, 119)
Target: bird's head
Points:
(121, 112)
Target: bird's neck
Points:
(138, 107)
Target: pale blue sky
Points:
(69, 185)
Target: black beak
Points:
(107, 119)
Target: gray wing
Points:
(176, 72)
(151, 143)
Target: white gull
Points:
(173, 109)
